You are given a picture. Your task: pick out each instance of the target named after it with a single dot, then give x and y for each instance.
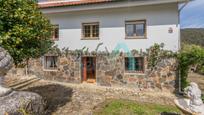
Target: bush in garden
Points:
(189, 55)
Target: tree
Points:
(193, 36)
(189, 55)
(24, 32)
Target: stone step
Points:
(14, 82)
(25, 84)
(17, 82)
(9, 82)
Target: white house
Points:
(136, 23)
(126, 25)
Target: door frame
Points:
(84, 78)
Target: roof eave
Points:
(65, 3)
(101, 6)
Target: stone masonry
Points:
(110, 70)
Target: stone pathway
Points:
(81, 99)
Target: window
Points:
(135, 29)
(55, 35)
(134, 64)
(50, 62)
(90, 30)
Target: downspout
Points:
(179, 11)
(187, 1)
(179, 43)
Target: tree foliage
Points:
(24, 31)
(189, 55)
(193, 36)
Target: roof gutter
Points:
(184, 5)
(116, 4)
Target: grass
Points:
(124, 107)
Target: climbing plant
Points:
(155, 53)
(189, 55)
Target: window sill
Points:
(142, 37)
(90, 39)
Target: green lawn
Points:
(123, 107)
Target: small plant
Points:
(54, 50)
(100, 44)
(153, 57)
(202, 97)
(22, 110)
(65, 51)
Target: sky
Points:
(192, 15)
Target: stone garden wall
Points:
(110, 71)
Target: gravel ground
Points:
(70, 99)
(82, 99)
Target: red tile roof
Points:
(70, 3)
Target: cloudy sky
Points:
(192, 16)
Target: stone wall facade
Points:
(110, 71)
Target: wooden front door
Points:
(89, 69)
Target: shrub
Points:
(189, 55)
(200, 69)
(156, 53)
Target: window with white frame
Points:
(135, 29)
(50, 62)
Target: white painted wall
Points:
(112, 27)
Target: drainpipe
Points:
(184, 5)
(179, 11)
